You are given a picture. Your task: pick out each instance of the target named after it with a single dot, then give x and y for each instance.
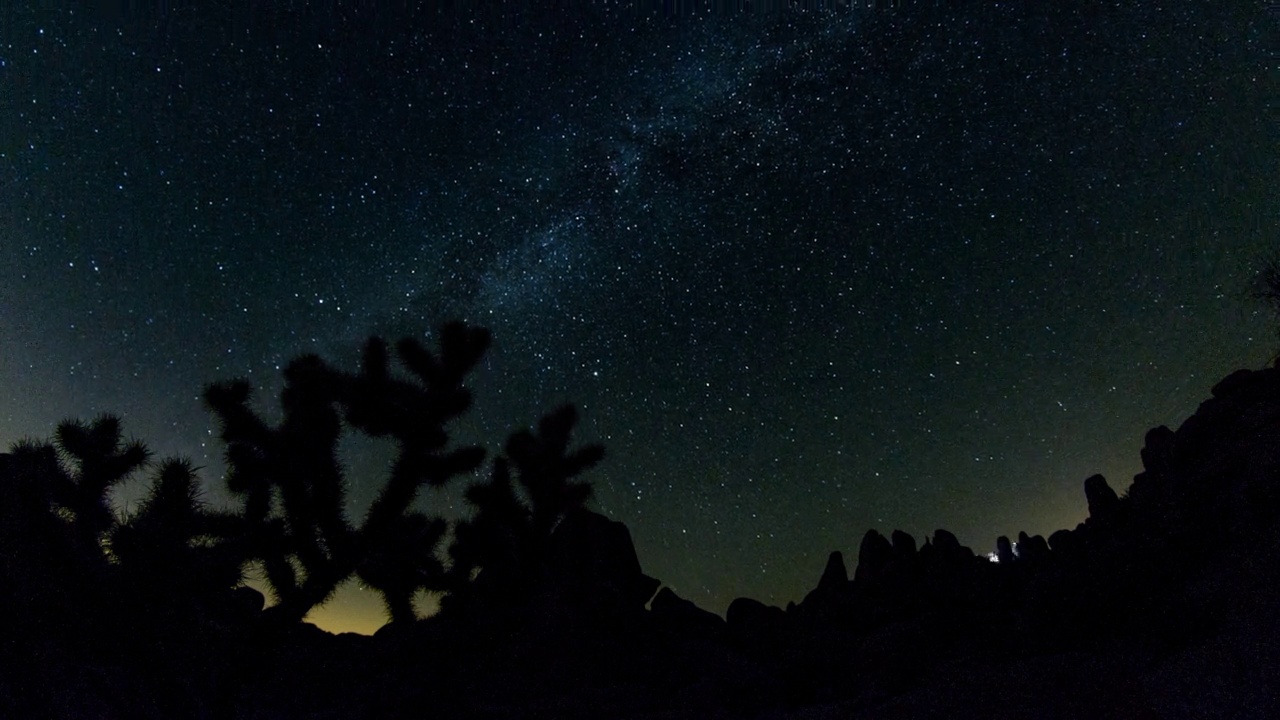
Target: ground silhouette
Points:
(1163, 603)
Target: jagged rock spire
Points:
(834, 575)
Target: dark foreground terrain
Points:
(1163, 604)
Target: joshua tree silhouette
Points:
(57, 515)
(507, 539)
(102, 460)
(291, 482)
(155, 591)
(89, 582)
(174, 551)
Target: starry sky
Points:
(804, 272)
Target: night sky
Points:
(804, 273)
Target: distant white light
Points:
(993, 557)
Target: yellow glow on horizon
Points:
(353, 608)
(343, 615)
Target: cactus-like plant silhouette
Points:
(172, 550)
(293, 488)
(172, 554)
(504, 545)
(100, 459)
(65, 544)
(58, 511)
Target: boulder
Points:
(875, 554)
(1065, 541)
(1032, 549)
(685, 618)
(757, 629)
(948, 544)
(1237, 382)
(1004, 550)
(1157, 451)
(593, 556)
(1103, 502)
(248, 601)
(904, 546)
(835, 576)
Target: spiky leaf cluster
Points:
(100, 459)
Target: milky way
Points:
(806, 273)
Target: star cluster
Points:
(805, 273)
